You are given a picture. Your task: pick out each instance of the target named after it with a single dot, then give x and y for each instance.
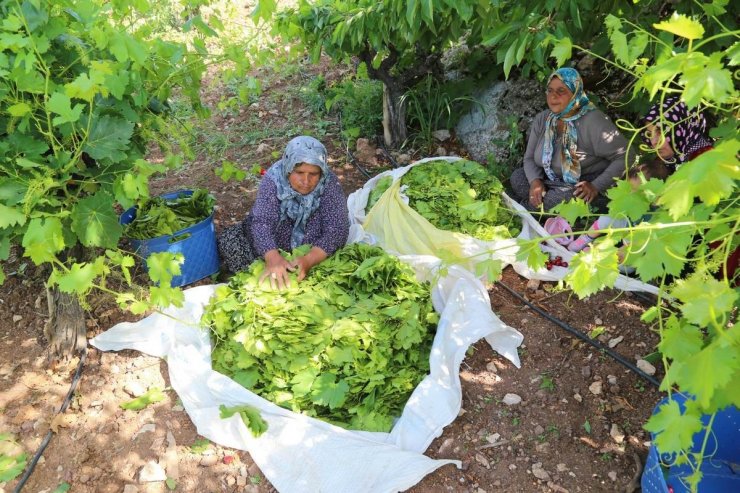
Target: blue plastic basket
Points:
(721, 464)
(197, 244)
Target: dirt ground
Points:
(577, 427)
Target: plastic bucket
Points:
(721, 464)
(197, 244)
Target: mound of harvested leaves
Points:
(461, 196)
(157, 216)
(348, 344)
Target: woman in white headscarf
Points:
(299, 202)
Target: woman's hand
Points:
(536, 192)
(586, 191)
(303, 264)
(276, 269)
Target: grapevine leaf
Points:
(657, 251)
(680, 341)
(109, 138)
(531, 253)
(43, 239)
(593, 270)
(733, 53)
(163, 266)
(60, 104)
(712, 176)
(673, 429)
(572, 210)
(250, 415)
(623, 201)
(707, 371)
(263, 10)
(706, 78)
(562, 51)
(95, 222)
(326, 391)
(152, 395)
(79, 279)
(10, 216)
(164, 296)
(705, 301)
(19, 109)
(681, 25)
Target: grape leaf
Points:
(705, 301)
(593, 270)
(250, 416)
(109, 138)
(60, 104)
(328, 392)
(572, 210)
(43, 239)
(79, 279)
(155, 394)
(95, 222)
(163, 266)
(10, 216)
(680, 341)
(681, 25)
(707, 371)
(673, 430)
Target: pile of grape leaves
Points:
(457, 196)
(157, 216)
(348, 344)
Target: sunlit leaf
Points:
(681, 25)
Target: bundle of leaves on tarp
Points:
(159, 216)
(457, 196)
(348, 344)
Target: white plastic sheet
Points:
(504, 250)
(302, 454)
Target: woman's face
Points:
(304, 178)
(657, 142)
(558, 95)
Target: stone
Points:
(134, 389)
(366, 152)
(586, 371)
(512, 399)
(263, 148)
(442, 135)
(533, 285)
(646, 366)
(446, 446)
(441, 151)
(595, 388)
(616, 433)
(612, 475)
(612, 379)
(578, 397)
(481, 459)
(486, 129)
(403, 159)
(539, 430)
(17, 318)
(151, 472)
(540, 473)
(491, 366)
(561, 467)
(598, 321)
(613, 342)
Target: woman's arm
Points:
(533, 170)
(333, 218)
(265, 217)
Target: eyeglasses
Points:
(559, 92)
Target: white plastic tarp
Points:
(477, 250)
(302, 454)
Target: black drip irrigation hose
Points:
(47, 438)
(618, 357)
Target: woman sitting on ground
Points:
(299, 202)
(574, 150)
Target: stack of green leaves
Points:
(157, 216)
(348, 344)
(461, 196)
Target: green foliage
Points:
(685, 229)
(12, 458)
(380, 187)
(429, 107)
(348, 344)
(152, 396)
(84, 88)
(250, 416)
(460, 196)
(157, 216)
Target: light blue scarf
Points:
(293, 205)
(578, 106)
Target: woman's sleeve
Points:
(531, 168)
(265, 217)
(334, 217)
(608, 144)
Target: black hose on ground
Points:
(47, 438)
(618, 357)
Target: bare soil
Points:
(577, 427)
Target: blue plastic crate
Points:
(721, 464)
(197, 244)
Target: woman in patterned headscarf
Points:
(299, 202)
(676, 134)
(574, 150)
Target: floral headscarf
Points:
(578, 106)
(293, 205)
(685, 131)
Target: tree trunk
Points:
(65, 329)
(394, 116)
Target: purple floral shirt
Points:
(327, 228)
